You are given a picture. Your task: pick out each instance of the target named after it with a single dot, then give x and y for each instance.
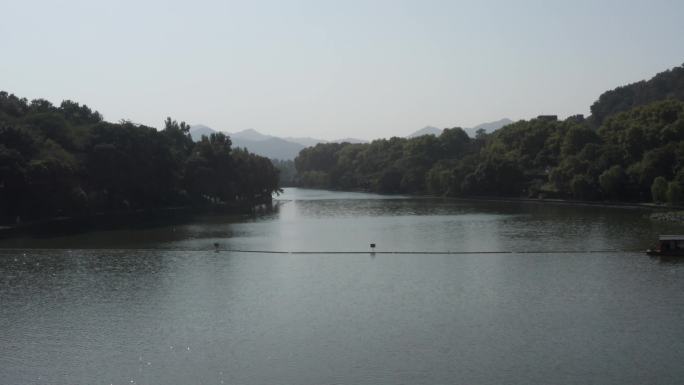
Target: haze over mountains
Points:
(488, 127)
(286, 148)
(273, 147)
(265, 145)
(427, 130)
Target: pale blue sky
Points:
(332, 69)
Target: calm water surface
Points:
(160, 306)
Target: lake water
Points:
(158, 305)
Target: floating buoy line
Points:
(330, 252)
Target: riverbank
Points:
(490, 198)
(669, 216)
(573, 202)
(128, 218)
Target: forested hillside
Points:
(665, 85)
(65, 160)
(636, 154)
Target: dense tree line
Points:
(665, 85)
(636, 154)
(286, 171)
(66, 160)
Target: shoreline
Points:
(121, 219)
(570, 202)
(493, 198)
(160, 216)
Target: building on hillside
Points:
(550, 118)
(578, 118)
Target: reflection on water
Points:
(159, 306)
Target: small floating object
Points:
(372, 245)
(668, 246)
(216, 246)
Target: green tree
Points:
(612, 182)
(667, 84)
(674, 194)
(66, 160)
(583, 187)
(659, 190)
(390, 181)
(576, 138)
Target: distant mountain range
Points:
(304, 141)
(489, 127)
(199, 130)
(272, 147)
(254, 141)
(427, 130)
(286, 148)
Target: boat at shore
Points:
(668, 246)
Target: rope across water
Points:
(334, 252)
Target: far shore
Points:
(574, 202)
(494, 198)
(663, 212)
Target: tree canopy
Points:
(639, 142)
(667, 84)
(66, 160)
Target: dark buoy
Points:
(372, 245)
(216, 246)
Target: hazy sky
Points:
(333, 69)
